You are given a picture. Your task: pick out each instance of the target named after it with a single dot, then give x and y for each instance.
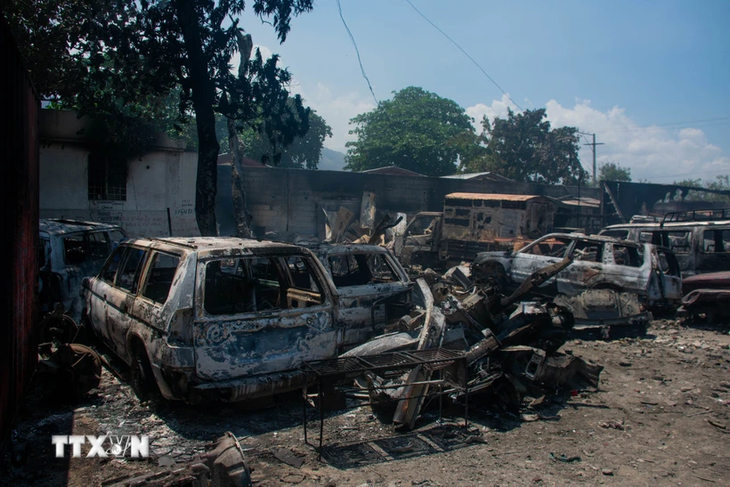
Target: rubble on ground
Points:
(508, 345)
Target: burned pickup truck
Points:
(640, 276)
(232, 319)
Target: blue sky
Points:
(651, 78)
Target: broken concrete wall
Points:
(290, 201)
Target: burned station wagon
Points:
(214, 318)
(598, 262)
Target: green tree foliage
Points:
(303, 152)
(524, 148)
(104, 56)
(610, 171)
(721, 183)
(416, 130)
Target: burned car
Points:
(372, 288)
(650, 272)
(71, 250)
(220, 318)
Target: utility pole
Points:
(593, 146)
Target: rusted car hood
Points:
(712, 280)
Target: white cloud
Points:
(498, 108)
(658, 154)
(336, 109)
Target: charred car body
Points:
(69, 251)
(650, 272)
(231, 319)
(372, 288)
(700, 246)
(473, 223)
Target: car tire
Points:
(141, 377)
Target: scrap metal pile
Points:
(510, 346)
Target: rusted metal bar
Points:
(536, 279)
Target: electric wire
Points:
(357, 51)
(465, 53)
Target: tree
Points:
(304, 151)
(610, 171)
(721, 183)
(416, 130)
(100, 56)
(524, 148)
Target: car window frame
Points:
(107, 263)
(147, 272)
(141, 268)
(280, 262)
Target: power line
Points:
(465, 53)
(352, 38)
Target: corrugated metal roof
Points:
(492, 196)
(583, 201)
(391, 171)
(478, 175)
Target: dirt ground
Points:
(660, 416)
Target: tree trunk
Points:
(203, 98)
(240, 210)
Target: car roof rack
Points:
(70, 221)
(705, 215)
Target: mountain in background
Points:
(331, 160)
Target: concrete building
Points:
(153, 195)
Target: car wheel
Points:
(141, 377)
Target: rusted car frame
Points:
(69, 251)
(700, 247)
(372, 289)
(213, 318)
(598, 263)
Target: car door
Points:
(369, 286)
(121, 296)
(626, 267)
(668, 274)
(98, 291)
(587, 265)
(423, 233)
(149, 305)
(253, 317)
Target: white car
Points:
(598, 262)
